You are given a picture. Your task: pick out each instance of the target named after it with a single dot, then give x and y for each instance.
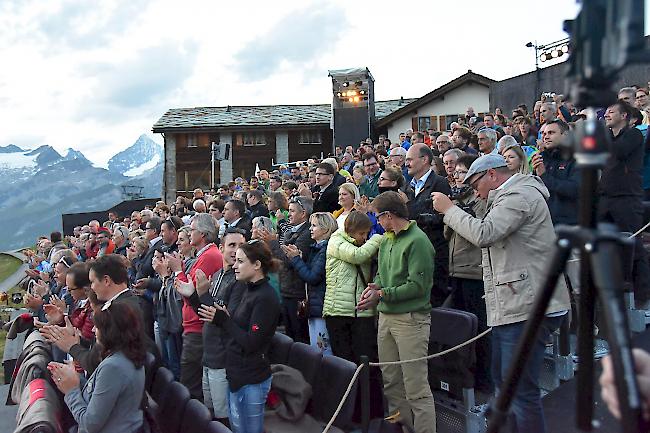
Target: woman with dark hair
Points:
(109, 401)
(249, 329)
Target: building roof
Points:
(469, 77)
(259, 116)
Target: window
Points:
(424, 123)
(192, 141)
(310, 138)
(250, 139)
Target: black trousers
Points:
(295, 327)
(350, 338)
(467, 295)
(627, 213)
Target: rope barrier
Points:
(640, 230)
(380, 364)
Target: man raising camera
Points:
(517, 240)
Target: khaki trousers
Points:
(406, 386)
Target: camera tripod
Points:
(606, 35)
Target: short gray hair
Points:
(306, 203)
(629, 90)
(490, 133)
(333, 163)
(456, 152)
(506, 141)
(206, 226)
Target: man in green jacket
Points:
(402, 291)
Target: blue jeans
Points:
(527, 403)
(172, 345)
(247, 407)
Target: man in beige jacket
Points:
(517, 241)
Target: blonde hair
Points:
(326, 221)
(352, 189)
(524, 167)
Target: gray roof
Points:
(260, 116)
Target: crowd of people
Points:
(348, 254)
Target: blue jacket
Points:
(313, 273)
(562, 178)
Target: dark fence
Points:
(71, 220)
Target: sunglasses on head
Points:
(65, 262)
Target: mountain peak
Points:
(142, 155)
(12, 148)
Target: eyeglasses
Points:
(322, 174)
(474, 183)
(459, 173)
(65, 262)
(253, 241)
(370, 164)
(381, 214)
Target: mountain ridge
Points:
(41, 185)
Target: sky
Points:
(95, 75)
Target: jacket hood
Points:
(519, 181)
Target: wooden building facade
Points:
(261, 135)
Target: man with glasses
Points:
(146, 271)
(401, 291)
(425, 182)
(325, 193)
(460, 139)
(517, 240)
(397, 157)
(369, 186)
(443, 143)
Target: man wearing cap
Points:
(517, 241)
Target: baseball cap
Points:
(484, 163)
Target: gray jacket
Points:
(109, 401)
(517, 240)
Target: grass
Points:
(8, 265)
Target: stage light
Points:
(346, 84)
(542, 58)
(356, 99)
(338, 94)
(554, 54)
(350, 100)
(565, 48)
(363, 92)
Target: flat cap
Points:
(484, 163)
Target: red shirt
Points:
(209, 261)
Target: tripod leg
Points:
(608, 279)
(586, 317)
(498, 411)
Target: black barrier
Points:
(71, 220)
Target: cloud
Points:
(78, 24)
(300, 37)
(139, 83)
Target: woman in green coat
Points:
(347, 273)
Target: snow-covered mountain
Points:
(141, 156)
(39, 185)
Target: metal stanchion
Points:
(364, 383)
